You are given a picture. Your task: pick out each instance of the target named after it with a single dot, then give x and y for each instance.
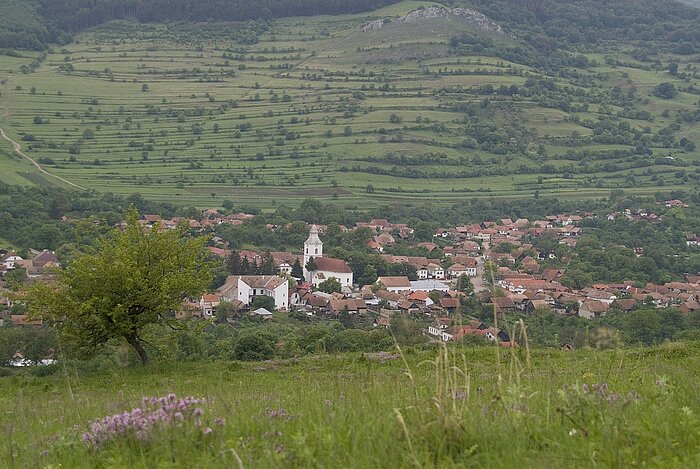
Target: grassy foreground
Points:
(583, 408)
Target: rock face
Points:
(467, 16)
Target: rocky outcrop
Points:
(467, 16)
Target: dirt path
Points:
(18, 149)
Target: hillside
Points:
(415, 101)
(21, 27)
(615, 408)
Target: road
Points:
(18, 149)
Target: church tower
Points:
(313, 246)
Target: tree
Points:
(369, 276)
(664, 90)
(490, 272)
(234, 264)
(331, 285)
(262, 301)
(673, 68)
(225, 310)
(345, 318)
(435, 296)
(16, 277)
(464, 284)
(132, 279)
(144, 88)
(297, 270)
(253, 347)
(311, 265)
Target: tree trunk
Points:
(134, 341)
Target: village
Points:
(495, 262)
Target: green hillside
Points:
(430, 106)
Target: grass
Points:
(459, 407)
(326, 70)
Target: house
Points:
(626, 304)
(449, 304)
(428, 286)
(408, 306)
(208, 304)
(455, 270)
(438, 326)
(395, 284)
(435, 271)
(675, 203)
(44, 259)
(591, 309)
(468, 268)
(503, 304)
(245, 288)
(262, 313)
(353, 306)
(10, 259)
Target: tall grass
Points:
(443, 407)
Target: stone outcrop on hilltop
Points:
(470, 17)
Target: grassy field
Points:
(461, 408)
(318, 108)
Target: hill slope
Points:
(432, 104)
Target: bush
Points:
(253, 347)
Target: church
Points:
(324, 267)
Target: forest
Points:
(546, 24)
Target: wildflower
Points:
(281, 413)
(220, 421)
(662, 381)
(207, 431)
(328, 403)
(460, 395)
(585, 388)
(573, 432)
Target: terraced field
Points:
(319, 108)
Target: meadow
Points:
(267, 113)
(456, 407)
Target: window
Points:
(316, 250)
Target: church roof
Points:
(328, 264)
(313, 238)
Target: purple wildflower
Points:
(207, 431)
(140, 422)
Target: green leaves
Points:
(134, 278)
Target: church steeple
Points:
(313, 246)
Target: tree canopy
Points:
(131, 279)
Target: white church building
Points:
(326, 267)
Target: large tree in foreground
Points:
(133, 278)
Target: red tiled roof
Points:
(328, 264)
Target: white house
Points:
(245, 288)
(207, 305)
(10, 260)
(435, 271)
(438, 326)
(395, 284)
